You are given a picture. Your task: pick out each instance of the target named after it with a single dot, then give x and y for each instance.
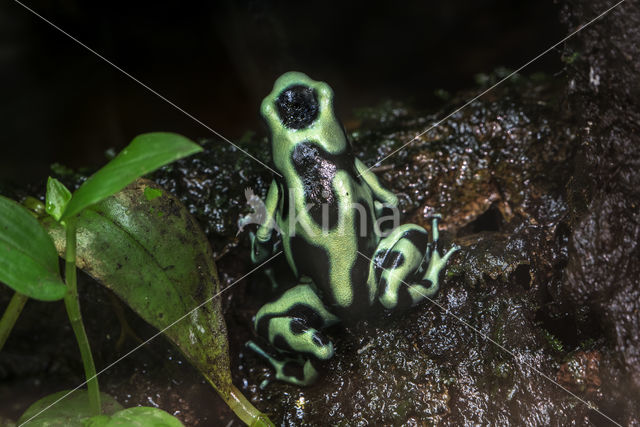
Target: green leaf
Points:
(144, 154)
(28, 258)
(72, 411)
(57, 198)
(153, 254)
(141, 416)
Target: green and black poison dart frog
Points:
(325, 207)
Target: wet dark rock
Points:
(426, 367)
(503, 156)
(603, 273)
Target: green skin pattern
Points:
(323, 209)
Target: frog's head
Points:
(300, 109)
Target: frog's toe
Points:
(437, 263)
(435, 220)
(453, 249)
(294, 370)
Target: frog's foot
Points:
(298, 370)
(243, 222)
(292, 324)
(261, 249)
(428, 286)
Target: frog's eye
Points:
(297, 106)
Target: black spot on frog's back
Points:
(297, 106)
(317, 169)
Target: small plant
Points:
(29, 265)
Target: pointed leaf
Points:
(28, 259)
(57, 198)
(153, 254)
(144, 154)
(72, 411)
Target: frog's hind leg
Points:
(397, 259)
(406, 265)
(292, 325)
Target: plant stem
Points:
(10, 316)
(72, 304)
(239, 404)
(245, 410)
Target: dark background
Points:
(60, 103)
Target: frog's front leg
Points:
(383, 198)
(398, 266)
(263, 242)
(292, 325)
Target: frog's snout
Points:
(298, 106)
